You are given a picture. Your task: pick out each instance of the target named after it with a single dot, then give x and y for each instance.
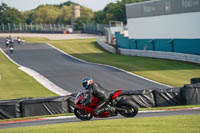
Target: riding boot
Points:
(99, 111)
(110, 109)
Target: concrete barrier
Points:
(162, 55)
(105, 46)
(154, 54)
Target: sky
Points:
(24, 5)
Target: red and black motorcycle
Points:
(118, 100)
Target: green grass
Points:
(15, 83)
(174, 73)
(169, 124)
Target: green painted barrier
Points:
(187, 46)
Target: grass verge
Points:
(174, 73)
(15, 83)
(169, 124)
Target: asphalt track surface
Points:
(74, 119)
(67, 72)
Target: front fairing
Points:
(79, 98)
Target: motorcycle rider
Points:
(7, 41)
(11, 48)
(96, 90)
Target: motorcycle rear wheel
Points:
(129, 106)
(82, 115)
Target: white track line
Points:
(60, 117)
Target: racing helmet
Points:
(86, 82)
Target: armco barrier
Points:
(167, 97)
(195, 80)
(186, 95)
(45, 106)
(11, 108)
(71, 103)
(191, 94)
(143, 98)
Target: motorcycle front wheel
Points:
(130, 109)
(82, 115)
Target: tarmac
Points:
(66, 71)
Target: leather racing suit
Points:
(98, 91)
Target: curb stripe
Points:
(19, 121)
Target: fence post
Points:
(14, 27)
(54, 28)
(26, 27)
(9, 27)
(36, 27)
(45, 27)
(20, 27)
(41, 27)
(59, 28)
(63, 28)
(2, 27)
(31, 27)
(50, 27)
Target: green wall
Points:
(188, 46)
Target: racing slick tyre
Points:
(130, 108)
(82, 115)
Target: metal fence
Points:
(50, 28)
(95, 28)
(34, 28)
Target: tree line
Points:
(62, 14)
(114, 12)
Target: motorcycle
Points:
(11, 48)
(7, 43)
(118, 100)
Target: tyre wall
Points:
(147, 98)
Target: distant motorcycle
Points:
(122, 105)
(7, 42)
(11, 48)
(19, 41)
